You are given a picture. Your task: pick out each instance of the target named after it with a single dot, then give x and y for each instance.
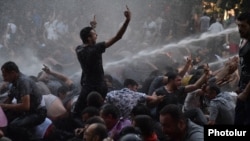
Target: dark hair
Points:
(169, 68)
(110, 109)
(214, 87)
(91, 111)
(109, 77)
(244, 17)
(63, 90)
(95, 99)
(101, 131)
(145, 124)
(85, 33)
(128, 82)
(196, 76)
(174, 111)
(140, 109)
(10, 66)
(129, 130)
(171, 75)
(95, 119)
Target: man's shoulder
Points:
(113, 92)
(79, 48)
(23, 77)
(194, 130)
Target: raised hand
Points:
(127, 13)
(189, 60)
(93, 23)
(206, 69)
(46, 69)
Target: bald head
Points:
(95, 132)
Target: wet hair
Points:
(174, 111)
(128, 82)
(10, 66)
(244, 17)
(85, 33)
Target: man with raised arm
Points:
(89, 55)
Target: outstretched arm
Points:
(186, 67)
(122, 30)
(58, 75)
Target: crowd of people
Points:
(170, 100)
(48, 30)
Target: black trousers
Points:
(242, 109)
(81, 102)
(19, 128)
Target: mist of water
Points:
(109, 14)
(170, 46)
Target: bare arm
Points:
(23, 106)
(186, 67)
(122, 30)
(154, 99)
(58, 75)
